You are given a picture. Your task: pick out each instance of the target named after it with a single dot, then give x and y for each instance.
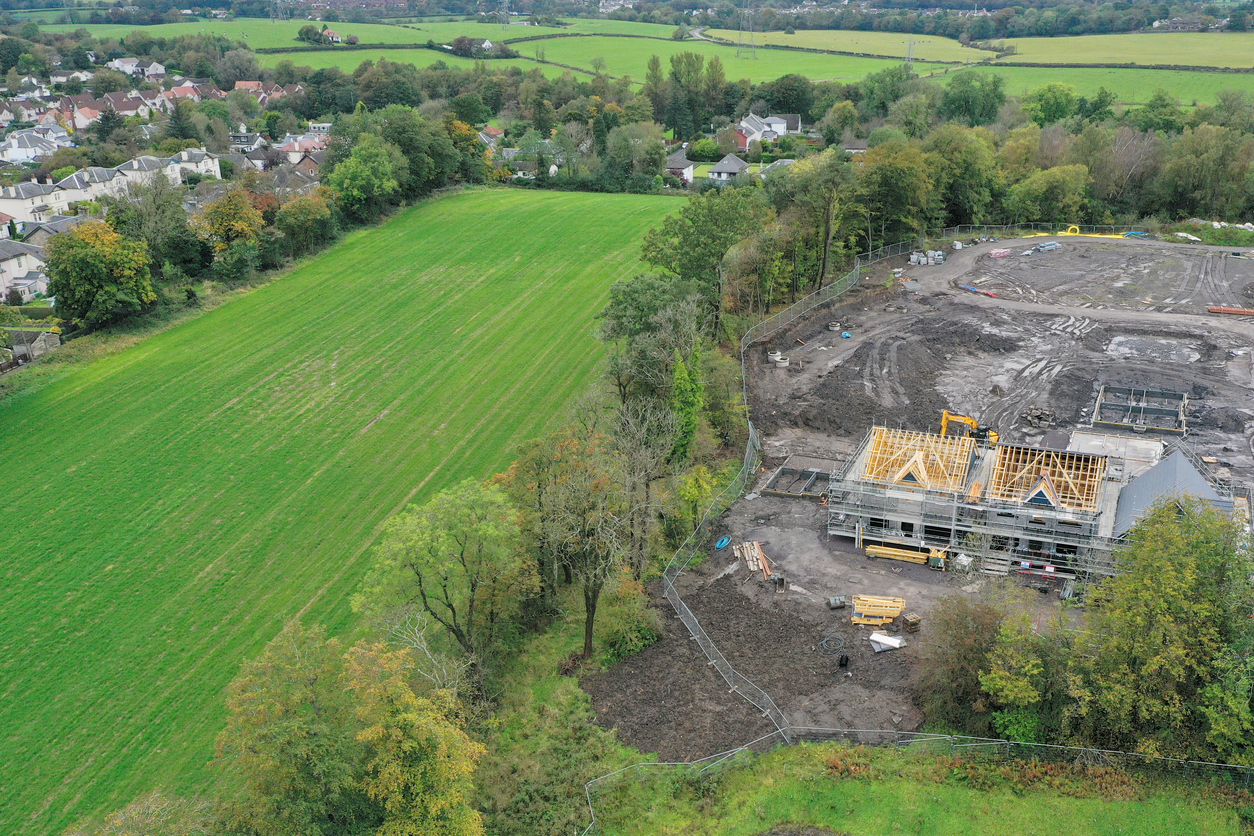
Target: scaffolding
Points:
(997, 528)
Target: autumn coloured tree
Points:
(229, 219)
(305, 222)
(97, 275)
(335, 742)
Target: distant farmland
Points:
(926, 47)
(181, 499)
(630, 56)
(1130, 86)
(1194, 49)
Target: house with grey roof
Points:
(38, 234)
(678, 165)
(727, 169)
(17, 261)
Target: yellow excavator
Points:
(977, 432)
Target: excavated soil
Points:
(1026, 357)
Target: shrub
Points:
(37, 312)
(627, 625)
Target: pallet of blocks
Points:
(868, 609)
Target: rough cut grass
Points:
(926, 47)
(630, 56)
(902, 793)
(1130, 86)
(258, 34)
(184, 497)
(1196, 49)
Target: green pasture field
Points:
(630, 56)
(258, 34)
(926, 47)
(1130, 86)
(620, 27)
(350, 60)
(180, 499)
(444, 32)
(1194, 49)
(900, 793)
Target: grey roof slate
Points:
(731, 164)
(1175, 475)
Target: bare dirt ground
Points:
(1062, 323)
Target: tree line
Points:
(1161, 665)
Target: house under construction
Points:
(1054, 510)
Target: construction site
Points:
(1001, 419)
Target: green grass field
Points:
(1197, 49)
(630, 56)
(182, 498)
(1129, 86)
(902, 793)
(350, 60)
(926, 47)
(258, 34)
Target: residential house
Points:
(38, 234)
(753, 129)
(332, 36)
(24, 147)
(150, 70)
(123, 65)
(310, 163)
(244, 142)
(296, 146)
(678, 165)
(782, 124)
(318, 128)
(16, 261)
(196, 161)
(728, 168)
(146, 169)
(93, 183)
(490, 136)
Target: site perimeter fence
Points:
(987, 749)
(683, 556)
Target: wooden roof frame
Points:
(918, 460)
(1075, 479)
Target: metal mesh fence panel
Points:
(786, 733)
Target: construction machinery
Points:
(868, 609)
(985, 434)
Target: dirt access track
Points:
(1026, 361)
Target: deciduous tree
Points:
(369, 178)
(459, 558)
(97, 275)
(229, 219)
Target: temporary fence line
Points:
(684, 555)
(994, 749)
